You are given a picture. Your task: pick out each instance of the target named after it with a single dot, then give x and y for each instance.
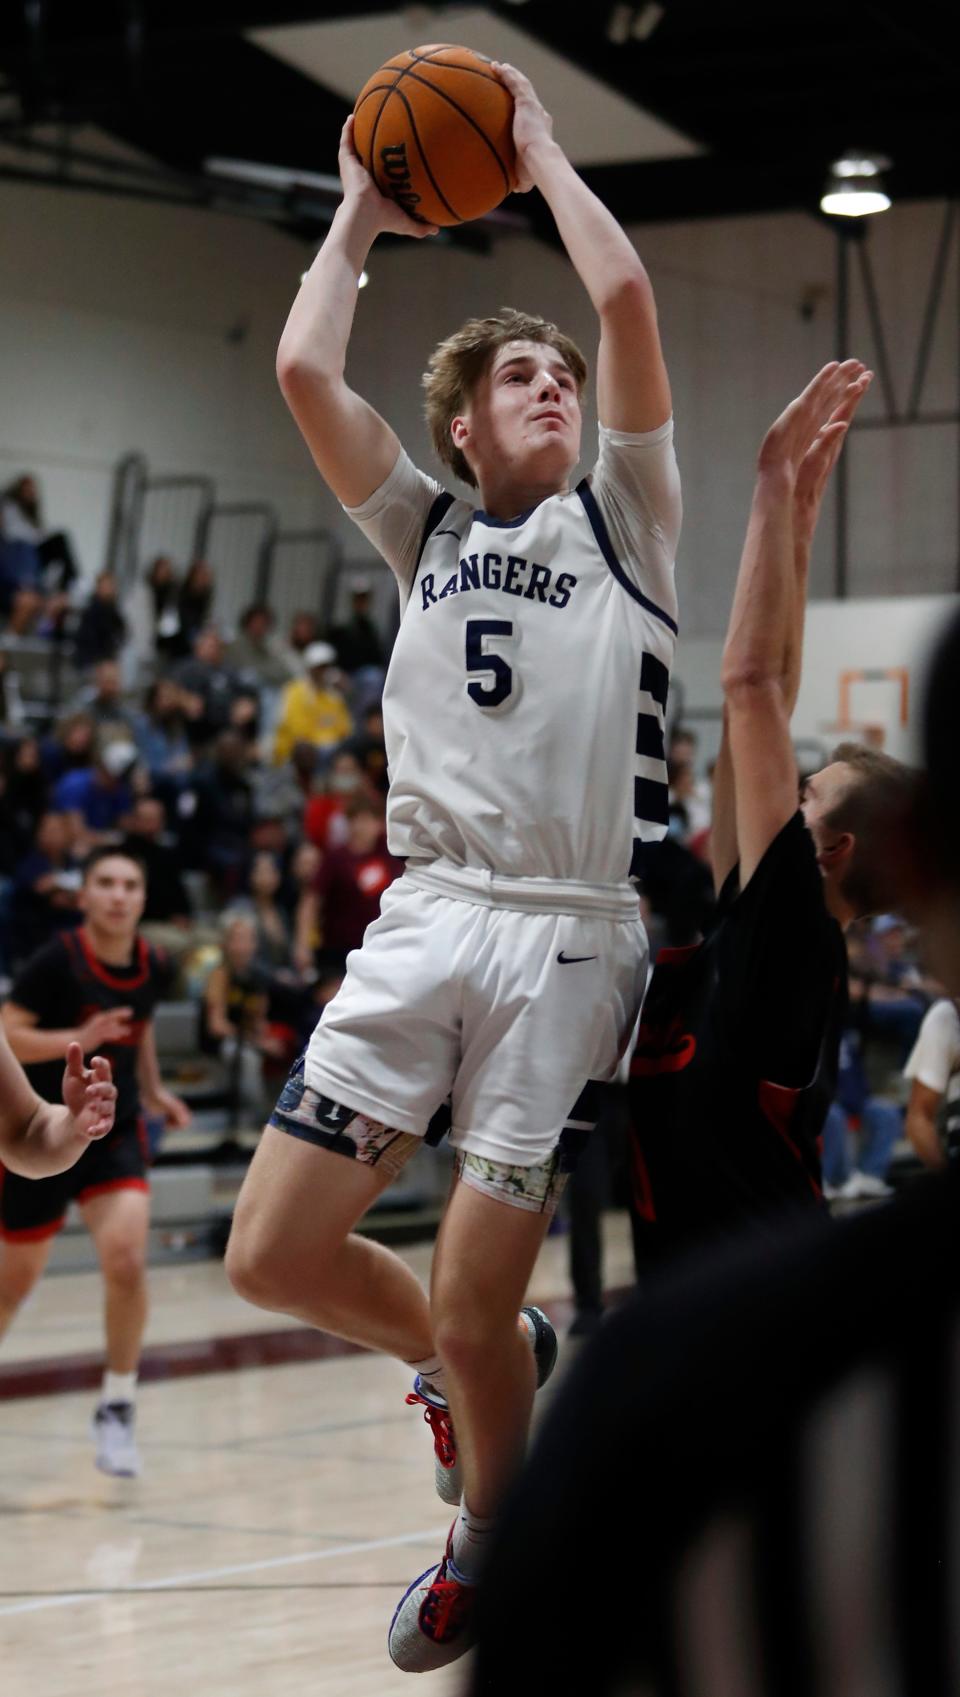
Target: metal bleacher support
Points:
(302, 574)
(153, 515)
(237, 537)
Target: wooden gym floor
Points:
(282, 1512)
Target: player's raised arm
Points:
(354, 448)
(812, 478)
(633, 391)
(762, 651)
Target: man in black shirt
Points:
(736, 1058)
(96, 987)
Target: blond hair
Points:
(457, 365)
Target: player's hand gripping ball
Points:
(434, 127)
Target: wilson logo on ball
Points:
(395, 168)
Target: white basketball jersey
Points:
(525, 700)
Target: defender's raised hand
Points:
(89, 1095)
(817, 413)
(819, 460)
(532, 123)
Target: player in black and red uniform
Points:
(736, 1057)
(96, 987)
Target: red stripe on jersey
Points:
(112, 1184)
(142, 955)
(778, 1104)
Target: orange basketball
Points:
(434, 127)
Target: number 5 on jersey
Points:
(501, 682)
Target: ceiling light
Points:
(855, 186)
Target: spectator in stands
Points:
(234, 1012)
(11, 712)
(360, 647)
(860, 1131)
(71, 747)
(27, 787)
(343, 781)
(47, 889)
(207, 680)
(286, 791)
(305, 866)
(103, 700)
(304, 629)
(167, 901)
(161, 737)
(889, 991)
(102, 629)
(933, 1111)
(101, 794)
(254, 654)
(370, 748)
(274, 936)
(313, 709)
(194, 604)
(216, 814)
(351, 881)
(36, 567)
(163, 588)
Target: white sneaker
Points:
(117, 1452)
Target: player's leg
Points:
(484, 1257)
(292, 1247)
(119, 1221)
(21, 1265)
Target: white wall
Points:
(876, 635)
(114, 321)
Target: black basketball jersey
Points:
(65, 983)
(736, 1060)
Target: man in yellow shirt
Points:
(312, 710)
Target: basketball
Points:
(434, 127)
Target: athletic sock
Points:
(471, 1536)
(431, 1374)
(118, 1387)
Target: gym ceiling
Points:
(677, 110)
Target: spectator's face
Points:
(231, 751)
(319, 676)
(346, 774)
(209, 648)
(682, 748)
(240, 944)
(106, 587)
(113, 895)
(258, 626)
(200, 577)
(264, 875)
(361, 603)
(148, 819)
(166, 699)
(78, 738)
(27, 756)
(373, 725)
(107, 677)
(306, 863)
(303, 630)
(52, 835)
(28, 491)
(364, 831)
(162, 570)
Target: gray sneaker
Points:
(117, 1451)
(447, 1477)
(434, 1621)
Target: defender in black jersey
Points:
(736, 1058)
(96, 987)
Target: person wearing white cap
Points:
(312, 709)
(101, 793)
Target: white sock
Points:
(471, 1536)
(119, 1387)
(432, 1374)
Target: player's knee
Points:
(17, 1279)
(255, 1271)
(124, 1264)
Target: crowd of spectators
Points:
(246, 770)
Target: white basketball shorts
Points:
(509, 1013)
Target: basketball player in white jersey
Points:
(524, 712)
